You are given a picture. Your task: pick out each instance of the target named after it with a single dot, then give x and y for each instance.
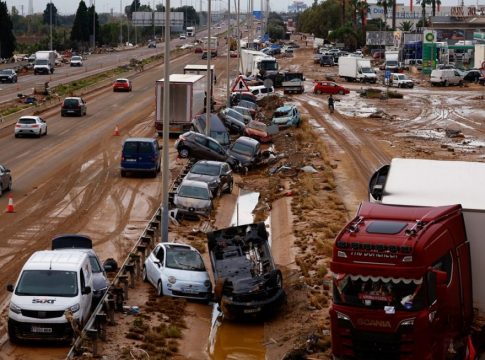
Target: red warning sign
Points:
(240, 84)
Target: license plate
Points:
(130, 160)
(70, 111)
(36, 329)
(252, 311)
(190, 291)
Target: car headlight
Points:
(16, 309)
(207, 284)
(172, 279)
(74, 308)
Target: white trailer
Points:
(45, 61)
(254, 63)
(201, 69)
(187, 100)
(353, 68)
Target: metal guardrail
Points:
(118, 291)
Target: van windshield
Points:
(47, 283)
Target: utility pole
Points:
(238, 38)
(228, 98)
(166, 124)
(94, 24)
(208, 97)
(50, 27)
(134, 25)
(121, 23)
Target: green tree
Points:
(46, 16)
(80, 29)
(130, 9)
(394, 6)
(406, 26)
(384, 4)
(276, 26)
(7, 38)
(363, 9)
(93, 16)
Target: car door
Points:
(154, 264)
(3, 178)
(217, 152)
(201, 147)
(43, 125)
(225, 175)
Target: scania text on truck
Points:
(45, 61)
(187, 99)
(352, 68)
(407, 269)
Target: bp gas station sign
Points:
(429, 51)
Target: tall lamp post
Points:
(228, 99)
(50, 27)
(94, 25)
(208, 103)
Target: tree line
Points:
(75, 31)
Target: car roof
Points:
(194, 183)
(216, 122)
(123, 79)
(210, 162)
(285, 107)
(168, 245)
(247, 140)
(29, 117)
(139, 139)
(72, 97)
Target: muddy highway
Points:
(69, 182)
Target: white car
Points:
(182, 36)
(30, 125)
(76, 61)
(187, 46)
(178, 270)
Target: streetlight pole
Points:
(228, 99)
(208, 103)
(50, 27)
(94, 25)
(166, 115)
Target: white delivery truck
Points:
(392, 60)
(352, 68)
(257, 63)
(401, 81)
(45, 61)
(190, 30)
(479, 61)
(201, 69)
(187, 99)
(52, 287)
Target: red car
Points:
(257, 130)
(122, 84)
(329, 87)
(198, 49)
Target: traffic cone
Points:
(117, 131)
(10, 204)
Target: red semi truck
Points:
(407, 269)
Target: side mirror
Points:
(86, 290)
(10, 288)
(6, 170)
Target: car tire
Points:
(144, 274)
(123, 173)
(230, 186)
(159, 288)
(62, 114)
(445, 83)
(340, 92)
(16, 135)
(9, 187)
(184, 153)
(12, 335)
(319, 92)
(1, 191)
(218, 192)
(39, 134)
(45, 134)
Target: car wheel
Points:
(123, 173)
(446, 83)
(62, 114)
(218, 192)
(16, 135)
(319, 92)
(460, 83)
(12, 335)
(45, 131)
(1, 191)
(340, 92)
(144, 274)
(159, 288)
(40, 133)
(9, 187)
(184, 153)
(230, 187)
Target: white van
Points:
(260, 91)
(50, 283)
(446, 77)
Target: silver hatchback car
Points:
(193, 198)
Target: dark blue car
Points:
(140, 155)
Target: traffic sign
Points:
(388, 74)
(240, 84)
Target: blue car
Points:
(140, 155)
(286, 115)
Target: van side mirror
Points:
(10, 288)
(86, 290)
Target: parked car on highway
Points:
(30, 125)
(5, 179)
(182, 37)
(258, 130)
(286, 115)
(122, 84)
(233, 120)
(329, 87)
(73, 106)
(245, 111)
(202, 147)
(247, 151)
(260, 91)
(445, 77)
(177, 270)
(472, 75)
(193, 198)
(140, 154)
(326, 60)
(217, 174)
(8, 75)
(217, 129)
(85, 244)
(242, 95)
(76, 61)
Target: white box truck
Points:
(257, 63)
(201, 69)
(479, 62)
(187, 99)
(392, 60)
(52, 286)
(352, 68)
(45, 61)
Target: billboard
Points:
(157, 18)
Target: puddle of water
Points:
(246, 202)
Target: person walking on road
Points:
(331, 102)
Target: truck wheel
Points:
(184, 153)
(341, 92)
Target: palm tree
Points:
(406, 26)
(353, 7)
(384, 4)
(363, 8)
(433, 6)
(393, 3)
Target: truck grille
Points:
(42, 314)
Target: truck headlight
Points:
(74, 308)
(172, 279)
(16, 309)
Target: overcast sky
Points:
(66, 7)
